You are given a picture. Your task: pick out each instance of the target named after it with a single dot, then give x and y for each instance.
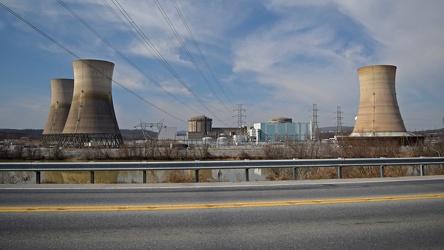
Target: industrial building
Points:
(379, 116)
(281, 129)
(91, 120)
(202, 126)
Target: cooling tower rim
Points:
(92, 60)
(378, 65)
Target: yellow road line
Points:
(31, 209)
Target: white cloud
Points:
(283, 55)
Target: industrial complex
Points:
(81, 114)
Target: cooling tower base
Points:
(371, 140)
(92, 140)
(51, 139)
(102, 140)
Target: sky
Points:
(176, 59)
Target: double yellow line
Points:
(156, 207)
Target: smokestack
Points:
(91, 119)
(378, 113)
(61, 96)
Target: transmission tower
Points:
(144, 125)
(314, 123)
(338, 120)
(240, 114)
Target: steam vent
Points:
(378, 113)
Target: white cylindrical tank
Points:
(61, 97)
(222, 141)
(207, 140)
(378, 113)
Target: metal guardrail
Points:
(339, 163)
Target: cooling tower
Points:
(61, 90)
(378, 113)
(91, 120)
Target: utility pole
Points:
(314, 128)
(338, 120)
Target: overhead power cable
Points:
(204, 59)
(144, 40)
(184, 46)
(78, 57)
(121, 54)
(176, 34)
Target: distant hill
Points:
(136, 134)
(36, 134)
(328, 129)
(20, 133)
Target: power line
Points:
(143, 39)
(176, 34)
(120, 53)
(196, 44)
(78, 57)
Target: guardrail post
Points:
(247, 175)
(144, 176)
(196, 175)
(295, 173)
(381, 171)
(91, 177)
(37, 177)
(421, 170)
(339, 172)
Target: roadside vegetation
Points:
(169, 151)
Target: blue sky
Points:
(276, 57)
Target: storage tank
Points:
(222, 141)
(207, 140)
(91, 119)
(378, 113)
(61, 97)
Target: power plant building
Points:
(281, 129)
(200, 127)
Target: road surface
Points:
(390, 213)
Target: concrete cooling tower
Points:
(91, 120)
(378, 113)
(61, 97)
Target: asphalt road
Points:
(411, 215)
